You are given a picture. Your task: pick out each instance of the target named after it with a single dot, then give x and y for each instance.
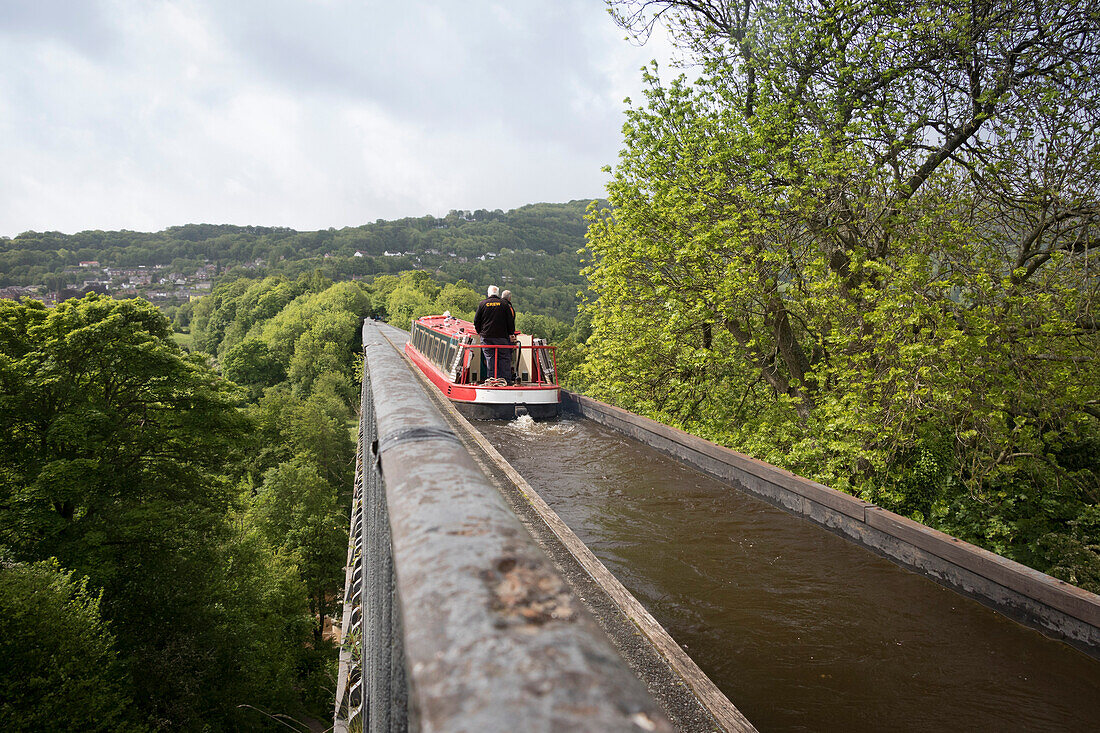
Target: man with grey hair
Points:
(506, 296)
(495, 322)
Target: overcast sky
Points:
(143, 114)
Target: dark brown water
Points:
(801, 629)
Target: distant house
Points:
(359, 254)
(14, 292)
(90, 263)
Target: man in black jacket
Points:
(495, 322)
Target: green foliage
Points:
(116, 455)
(407, 303)
(460, 299)
(296, 511)
(297, 476)
(852, 250)
(58, 666)
(542, 326)
(325, 347)
(317, 429)
(119, 416)
(1075, 555)
(266, 605)
(252, 364)
(282, 331)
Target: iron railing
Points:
(371, 688)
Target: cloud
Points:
(140, 115)
(82, 25)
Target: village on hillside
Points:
(155, 283)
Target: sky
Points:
(309, 114)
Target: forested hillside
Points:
(532, 250)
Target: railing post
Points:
(350, 701)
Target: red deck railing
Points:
(538, 377)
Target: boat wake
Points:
(528, 427)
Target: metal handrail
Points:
(536, 349)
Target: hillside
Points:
(532, 250)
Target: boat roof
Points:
(451, 326)
(448, 325)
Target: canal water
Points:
(802, 630)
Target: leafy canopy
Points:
(860, 245)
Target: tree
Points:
(458, 298)
(407, 303)
(113, 455)
(282, 331)
(259, 301)
(297, 511)
(325, 346)
(212, 314)
(251, 364)
(102, 408)
(58, 665)
(317, 430)
(859, 245)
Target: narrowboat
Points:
(450, 353)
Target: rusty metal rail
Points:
(371, 687)
(454, 619)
